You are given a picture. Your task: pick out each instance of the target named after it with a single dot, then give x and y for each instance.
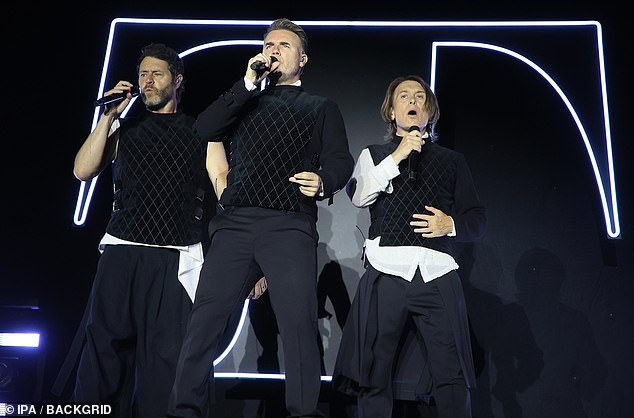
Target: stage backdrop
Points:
(525, 103)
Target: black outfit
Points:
(159, 181)
(444, 182)
(264, 227)
(410, 340)
(137, 312)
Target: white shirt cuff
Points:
(249, 85)
(453, 228)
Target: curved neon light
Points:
(243, 316)
(610, 211)
(613, 229)
(612, 225)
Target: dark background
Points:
(546, 281)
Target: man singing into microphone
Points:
(410, 285)
(152, 248)
(288, 149)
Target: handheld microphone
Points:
(413, 159)
(116, 97)
(261, 67)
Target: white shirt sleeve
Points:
(372, 179)
(249, 85)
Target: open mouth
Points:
(412, 113)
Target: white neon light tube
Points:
(612, 227)
(610, 209)
(19, 339)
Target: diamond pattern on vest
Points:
(434, 187)
(157, 172)
(268, 148)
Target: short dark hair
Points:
(431, 105)
(169, 55)
(285, 24)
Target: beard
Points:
(157, 99)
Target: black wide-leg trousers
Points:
(246, 244)
(136, 319)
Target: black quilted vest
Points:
(158, 176)
(392, 212)
(270, 144)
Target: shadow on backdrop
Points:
(508, 359)
(574, 371)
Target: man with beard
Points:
(151, 252)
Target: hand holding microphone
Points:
(409, 149)
(118, 94)
(414, 156)
(259, 66)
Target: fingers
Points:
(121, 87)
(259, 62)
(437, 224)
(259, 289)
(414, 141)
(309, 182)
(427, 232)
(421, 226)
(434, 210)
(424, 224)
(116, 108)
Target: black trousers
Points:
(397, 299)
(246, 244)
(136, 320)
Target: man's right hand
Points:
(412, 141)
(121, 87)
(254, 76)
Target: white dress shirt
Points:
(190, 260)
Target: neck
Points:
(170, 107)
(284, 81)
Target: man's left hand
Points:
(430, 226)
(309, 183)
(259, 289)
